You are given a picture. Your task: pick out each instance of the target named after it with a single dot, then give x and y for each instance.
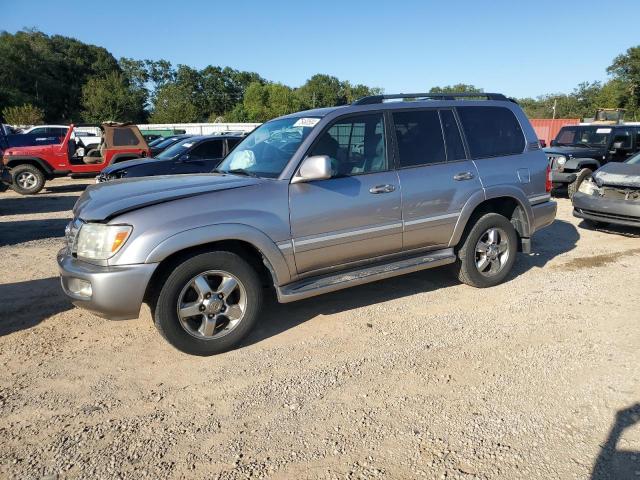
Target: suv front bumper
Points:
(113, 292)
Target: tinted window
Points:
(60, 132)
(123, 137)
(419, 137)
(207, 149)
(38, 131)
(491, 131)
(355, 145)
(452, 137)
(623, 136)
(232, 142)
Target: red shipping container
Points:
(547, 128)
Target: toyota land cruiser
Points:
(310, 203)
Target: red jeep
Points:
(31, 166)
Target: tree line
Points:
(57, 79)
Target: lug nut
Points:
(202, 308)
(210, 315)
(220, 296)
(208, 295)
(223, 308)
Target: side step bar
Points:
(310, 287)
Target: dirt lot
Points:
(417, 376)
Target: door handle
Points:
(463, 176)
(382, 189)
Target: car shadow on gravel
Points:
(558, 238)
(280, 317)
(621, 230)
(25, 304)
(13, 233)
(37, 204)
(612, 462)
(72, 187)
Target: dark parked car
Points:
(579, 150)
(611, 195)
(162, 143)
(198, 154)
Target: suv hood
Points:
(104, 201)
(576, 152)
(618, 174)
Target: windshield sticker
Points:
(187, 145)
(306, 122)
(603, 130)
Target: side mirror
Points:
(317, 167)
(618, 145)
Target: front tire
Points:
(573, 187)
(27, 179)
(488, 252)
(209, 303)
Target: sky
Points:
(513, 47)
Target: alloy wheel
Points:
(212, 304)
(492, 252)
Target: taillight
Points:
(548, 182)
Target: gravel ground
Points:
(417, 376)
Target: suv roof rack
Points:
(373, 99)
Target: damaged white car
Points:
(611, 195)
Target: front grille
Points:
(620, 193)
(71, 234)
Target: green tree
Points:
(457, 88)
(321, 91)
(626, 69)
(25, 114)
(49, 72)
(264, 102)
(174, 104)
(112, 97)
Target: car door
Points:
(356, 214)
(437, 178)
(202, 158)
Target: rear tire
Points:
(575, 185)
(192, 306)
(488, 252)
(27, 179)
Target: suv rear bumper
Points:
(619, 212)
(113, 292)
(544, 214)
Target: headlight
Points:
(588, 187)
(561, 160)
(99, 242)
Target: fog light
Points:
(80, 287)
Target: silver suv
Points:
(310, 203)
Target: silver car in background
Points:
(311, 203)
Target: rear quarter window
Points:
(491, 131)
(124, 137)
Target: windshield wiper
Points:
(241, 171)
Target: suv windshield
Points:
(176, 150)
(583, 136)
(634, 160)
(268, 149)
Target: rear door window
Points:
(452, 137)
(123, 137)
(491, 131)
(419, 137)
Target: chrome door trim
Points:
(432, 219)
(335, 236)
